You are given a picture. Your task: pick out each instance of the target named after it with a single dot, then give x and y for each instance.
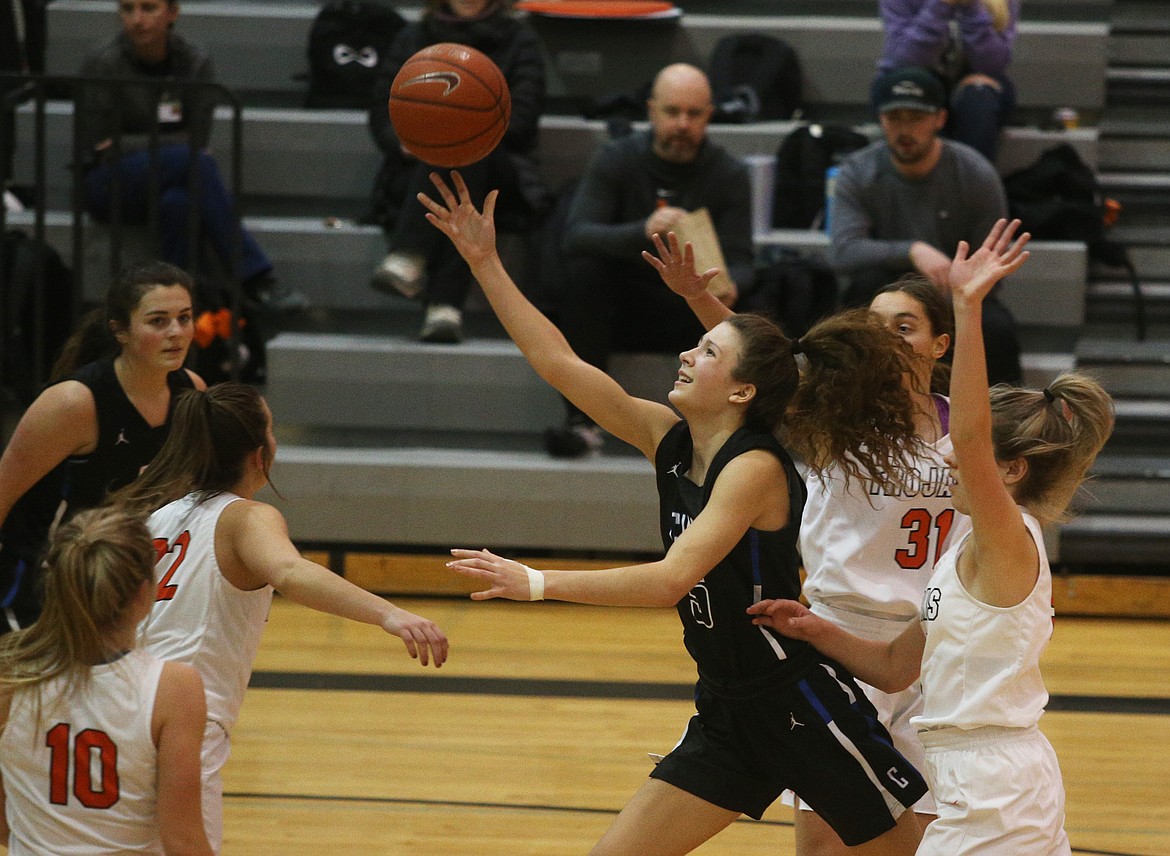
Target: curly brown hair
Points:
(851, 407)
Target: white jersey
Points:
(981, 663)
(198, 616)
(871, 549)
(107, 802)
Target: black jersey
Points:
(125, 444)
(734, 655)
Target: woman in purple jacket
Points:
(968, 43)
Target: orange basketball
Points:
(450, 105)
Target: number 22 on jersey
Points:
(167, 585)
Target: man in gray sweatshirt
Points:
(902, 205)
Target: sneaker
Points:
(399, 272)
(577, 438)
(442, 324)
(275, 296)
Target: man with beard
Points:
(903, 204)
(635, 187)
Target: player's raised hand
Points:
(676, 265)
(472, 232)
(973, 275)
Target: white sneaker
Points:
(400, 272)
(442, 324)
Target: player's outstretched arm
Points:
(640, 423)
(891, 667)
(750, 493)
(256, 551)
(1000, 546)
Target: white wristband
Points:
(535, 584)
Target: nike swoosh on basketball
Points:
(450, 78)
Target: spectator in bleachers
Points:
(420, 261)
(148, 49)
(635, 187)
(904, 203)
(968, 44)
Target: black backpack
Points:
(1058, 198)
(794, 291)
(801, 162)
(347, 42)
(754, 77)
(23, 257)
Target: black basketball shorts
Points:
(819, 736)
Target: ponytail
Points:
(94, 567)
(1058, 432)
(212, 432)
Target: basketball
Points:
(450, 105)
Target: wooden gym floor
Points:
(536, 732)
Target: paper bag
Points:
(698, 229)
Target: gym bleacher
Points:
(392, 446)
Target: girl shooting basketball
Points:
(730, 502)
(869, 550)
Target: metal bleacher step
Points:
(1048, 292)
(348, 381)
(1148, 246)
(260, 47)
(1135, 484)
(1138, 85)
(1128, 368)
(419, 496)
(1142, 428)
(392, 382)
(324, 161)
(328, 260)
(1136, 145)
(388, 442)
(1113, 300)
(1039, 10)
(1115, 541)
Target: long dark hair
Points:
(94, 337)
(213, 431)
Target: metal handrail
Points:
(40, 90)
